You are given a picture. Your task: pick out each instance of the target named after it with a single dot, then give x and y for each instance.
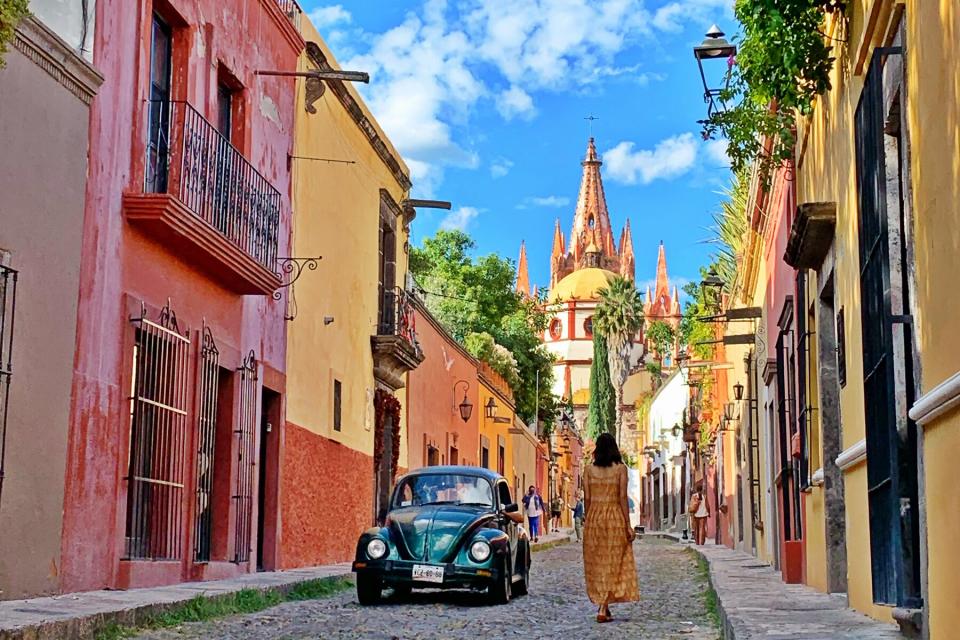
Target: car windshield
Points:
(443, 488)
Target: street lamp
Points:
(728, 411)
(466, 407)
(738, 391)
(491, 408)
(712, 287)
(715, 47)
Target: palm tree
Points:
(618, 318)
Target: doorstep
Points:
(81, 615)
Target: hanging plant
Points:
(386, 406)
(782, 65)
(11, 13)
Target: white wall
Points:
(72, 20)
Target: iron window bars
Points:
(158, 436)
(206, 445)
(8, 307)
(246, 459)
(187, 157)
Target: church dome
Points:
(581, 285)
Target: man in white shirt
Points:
(533, 506)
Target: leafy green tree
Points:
(471, 295)
(662, 336)
(694, 332)
(782, 65)
(618, 318)
(601, 412)
(11, 13)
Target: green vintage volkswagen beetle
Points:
(447, 527)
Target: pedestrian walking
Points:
(578, 516)
(608, 563)
(556, 509)
(699, 512)
(533, 507)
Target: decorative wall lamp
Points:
(491, 408)
(715, 47)
(712, 287)
(465, 407)
(676, 430)
(728, 410)
(738, 392)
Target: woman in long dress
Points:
(609, 567)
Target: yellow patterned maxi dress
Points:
(609, 567)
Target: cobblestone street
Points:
(671, 606)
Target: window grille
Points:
(337, 404)
(206, 444)
(8, 305)
(887, 344)
(158, 412)
(246, 458)
(805, 407)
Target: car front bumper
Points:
(400, 572)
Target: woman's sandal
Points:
(604, 617)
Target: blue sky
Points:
(486, 100)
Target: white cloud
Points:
(674, 16)
(460, 218)
(500, 167)
(432, 71)
(716, 151)
(548, 201)
(515, 103)
(670, 158)
(323, 17)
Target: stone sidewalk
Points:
(81, 615)
(755, 603)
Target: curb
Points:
(85, 626)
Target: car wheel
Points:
(369, 589)
(499, 591)
(520, 587)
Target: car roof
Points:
(481, 472)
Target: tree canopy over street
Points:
(473, 296)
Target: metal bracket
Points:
(293, 267)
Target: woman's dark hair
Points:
(606, 453)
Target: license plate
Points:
(428, 573)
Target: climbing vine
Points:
(783, 63)
(11, 13)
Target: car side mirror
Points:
(511, 508)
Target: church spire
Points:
(627, 263)
(591, 222)
(662, 291)
(523, 277)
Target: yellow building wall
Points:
(494, 430)
(336, 216)
(826, 173)
(525, 454)
(941, 444)
(933, 85)
(815, 535)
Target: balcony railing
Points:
(292, 10)
(189, 159)
(396, 317)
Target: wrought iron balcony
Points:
(199, 191)
(396, 349)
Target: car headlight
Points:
(376, 549)
(480, 551)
